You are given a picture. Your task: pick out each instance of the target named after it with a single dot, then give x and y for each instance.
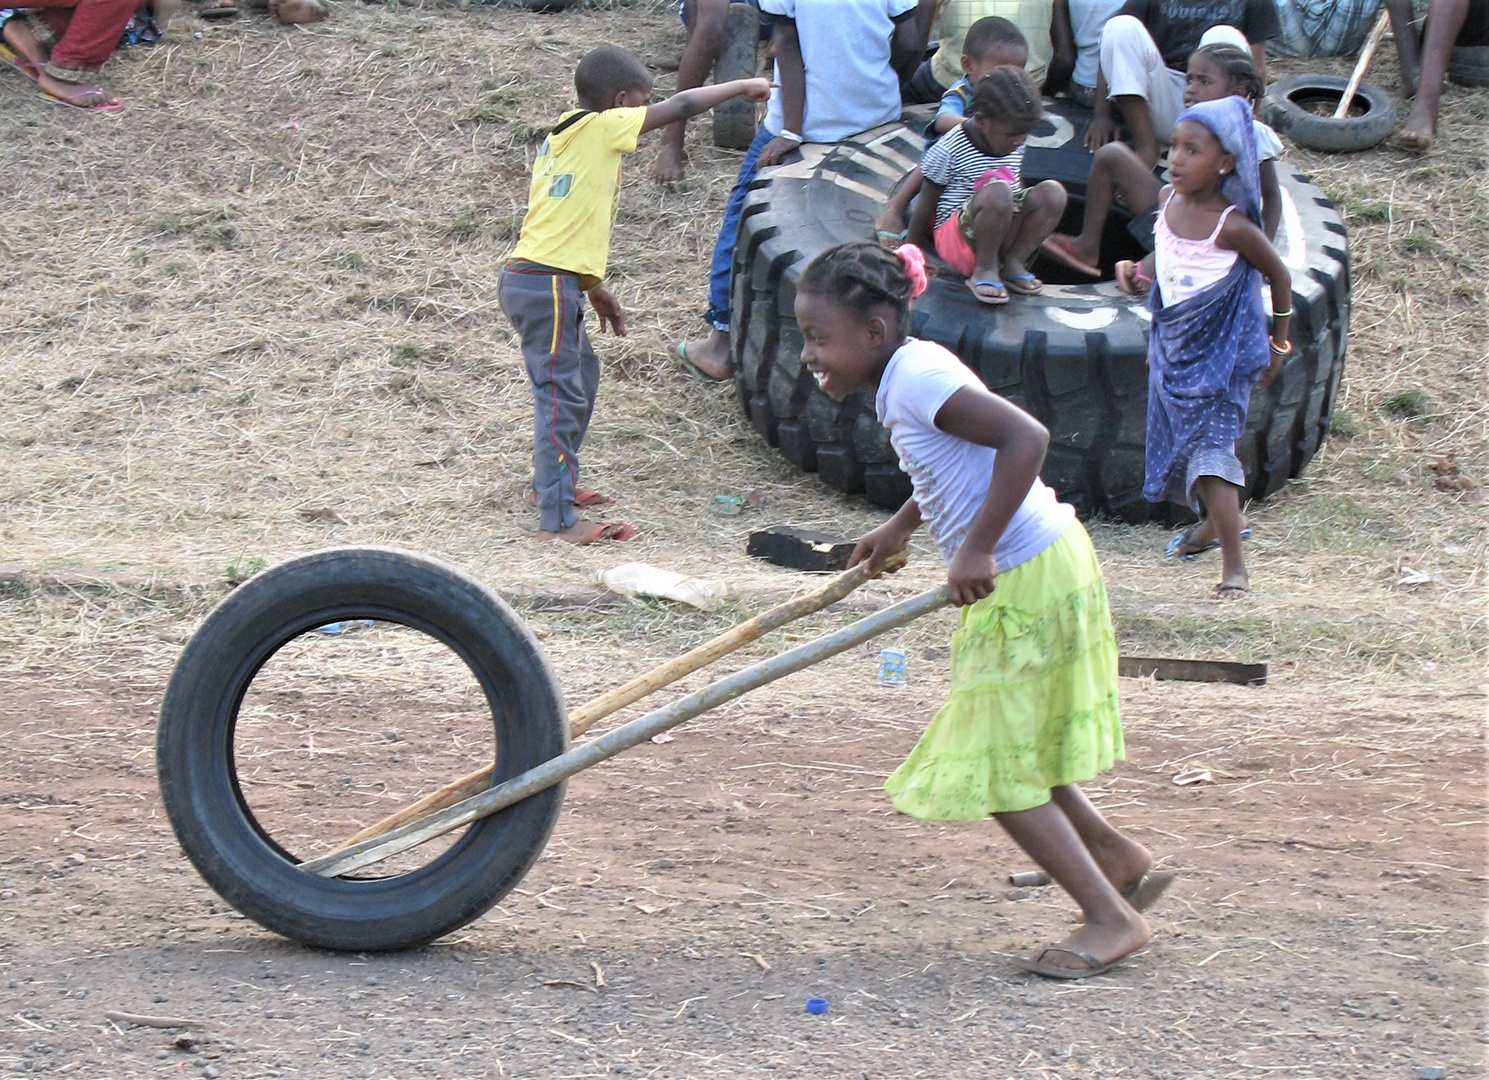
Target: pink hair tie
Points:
(913, 260)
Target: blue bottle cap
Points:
(816, 1006)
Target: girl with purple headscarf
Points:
(1209, 344)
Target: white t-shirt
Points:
(845, 50)
(950, 475)
(1087, 17)
(1268, 145)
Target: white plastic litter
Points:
(639, 579)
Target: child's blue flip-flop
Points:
(1185, 538)
(998, 297)
(1025, 282)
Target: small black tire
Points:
(1468, 65)
(199, 783)
(735, 121)
(1290, 107)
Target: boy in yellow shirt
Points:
(561, 258)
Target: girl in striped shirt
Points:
(974, 211)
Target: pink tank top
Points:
(1185, 267)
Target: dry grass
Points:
(254, 314)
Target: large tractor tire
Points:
(1075, 356)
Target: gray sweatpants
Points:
(548, 311)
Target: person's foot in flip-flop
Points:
(1232, 588)
(989, 290)
(83, 96)
(1069, 251)
(1021, 281)
(708, 356)
(583, 533)
(291, 12)
(1129, 867)
(23, 49)
(1198, 539)
(1090, 950)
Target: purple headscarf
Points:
(1232, 122)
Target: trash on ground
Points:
(816, 1006)
(640, 579)
(1195, 775)
(891, 667)
(728, 505)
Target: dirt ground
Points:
(251, 316)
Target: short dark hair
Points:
(1238, 68)
(860, 277)
(605, 72)
(985, 35)
(1008, 95)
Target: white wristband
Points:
(791, 136)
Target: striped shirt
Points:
(956, 165)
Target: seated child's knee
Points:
(1120, 29)
(996, 197)
(1048, 194)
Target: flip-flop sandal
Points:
(999, 297)
(1056, 971)
(75, 101)
(1057, 248)
(1148, 888)
(891, 239)
(1224, 591)
(1172, 551)
(613, 531)
(1021, 283)
(216, 11)
(13, 58)
(692, 368)
(584, 498)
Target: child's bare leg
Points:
(1112, 929)
(1043, 205)
(1115, 170)
(1223, 512)
(992, 213)
(21, 38)
(708, 31)
(1139, 120)
(892, 225)
(1123, 861)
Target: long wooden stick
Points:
(587, 715)
(555, 770)
(1376, 33)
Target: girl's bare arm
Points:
(1246, 240)
(980, 416)
(923, 218)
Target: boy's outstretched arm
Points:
(701, 99)
(980, 416)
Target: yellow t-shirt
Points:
(575, 191)
(956, 17)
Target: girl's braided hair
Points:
(1238, 68)
(863, 276)
(1007, 94)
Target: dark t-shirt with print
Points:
(1177, 25)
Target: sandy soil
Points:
(1327, 922)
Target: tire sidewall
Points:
(195, 756)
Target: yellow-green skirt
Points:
(1033, 702)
